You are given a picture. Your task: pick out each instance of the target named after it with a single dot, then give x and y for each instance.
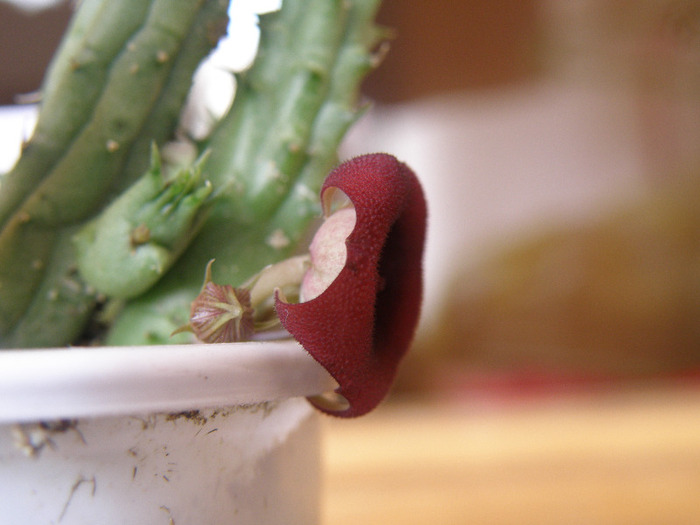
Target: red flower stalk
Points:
(362, 324)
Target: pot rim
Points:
(75, 382)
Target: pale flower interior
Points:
(328, 251)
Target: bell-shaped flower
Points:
(359, 289)
(360, 311)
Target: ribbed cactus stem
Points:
(117, 70)
(139, 236)
(338, 113)
(206, 30)
(78, 184)
(269, 154)
(61, 306)
(73, 84)
(117, 85)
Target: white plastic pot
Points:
(182, 435)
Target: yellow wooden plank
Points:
(617, 458)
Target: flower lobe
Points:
(362, 324)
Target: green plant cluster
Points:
(93, 225)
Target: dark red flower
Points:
(360, 327)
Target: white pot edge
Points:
(68, 383)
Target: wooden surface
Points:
(618, 457)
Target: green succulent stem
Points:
(269, 155)
(134, 241)
(119, 79)
(90, 215)
(62, 305)
(73, 84)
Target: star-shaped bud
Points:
(220, 313)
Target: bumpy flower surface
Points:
(361, 325)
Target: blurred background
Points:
(554, 378)
(559, 144)
(554, 375)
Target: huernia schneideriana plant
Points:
(361, 289)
